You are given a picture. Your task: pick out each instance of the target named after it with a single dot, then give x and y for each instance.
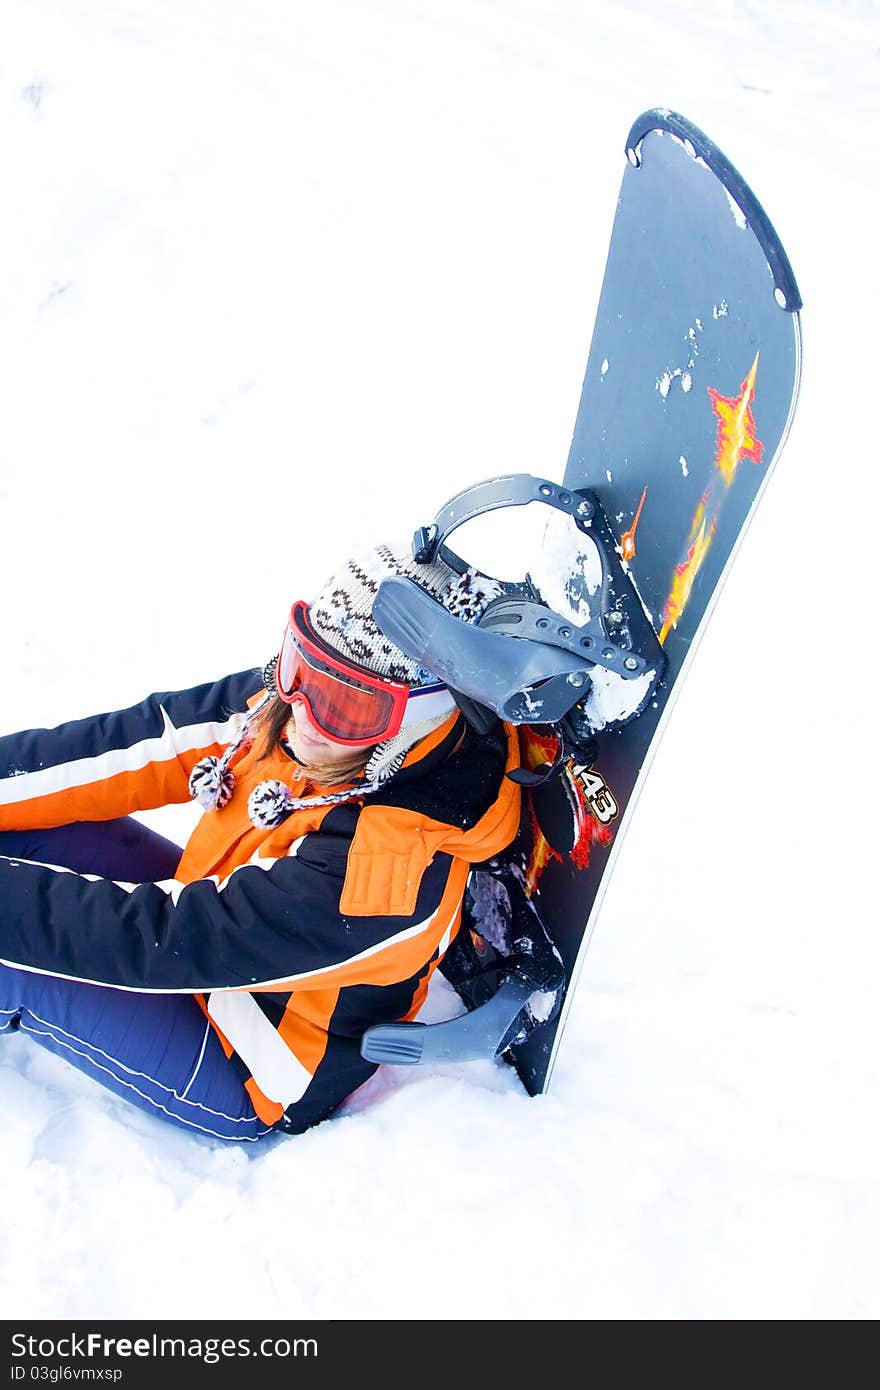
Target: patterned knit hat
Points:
(341, 614)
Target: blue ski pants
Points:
(156, 1050)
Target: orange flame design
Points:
(628, 539)
(538, 749)
(590, 831)
(736, 439)
(541, 855)
(699, 539)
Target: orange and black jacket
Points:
(293, 940)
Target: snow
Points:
(739, 216)
(276, 281)
(567, 570)
(613, 697)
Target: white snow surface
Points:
(275, 281)
(567, 570)
(612, 697)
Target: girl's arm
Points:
(112, 764)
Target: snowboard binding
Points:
(509, 985)
(586, 662)
(572, 674)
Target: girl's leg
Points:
(123, 849)
(157, 1051)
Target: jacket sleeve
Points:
(262, 927)
(112, 764)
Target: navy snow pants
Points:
(156, 1050)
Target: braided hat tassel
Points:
(212, 781)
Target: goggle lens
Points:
(348, 704)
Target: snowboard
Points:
(689, 392)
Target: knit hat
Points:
(341, 615)
(342, 612)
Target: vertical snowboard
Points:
(690, 388)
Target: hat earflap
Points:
(387, 757)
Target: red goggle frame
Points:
(348, 703)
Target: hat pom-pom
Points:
(470, 594)
(269, 804)
(211, 783)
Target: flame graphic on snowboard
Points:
(737, 439)
(591, 803)
(585, 829)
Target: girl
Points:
(227, 986)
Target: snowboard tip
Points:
(699, 146)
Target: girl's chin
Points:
(318, 753)
(302, 741)
(312, 745)
(310, 754)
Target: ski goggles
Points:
(348, 703)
